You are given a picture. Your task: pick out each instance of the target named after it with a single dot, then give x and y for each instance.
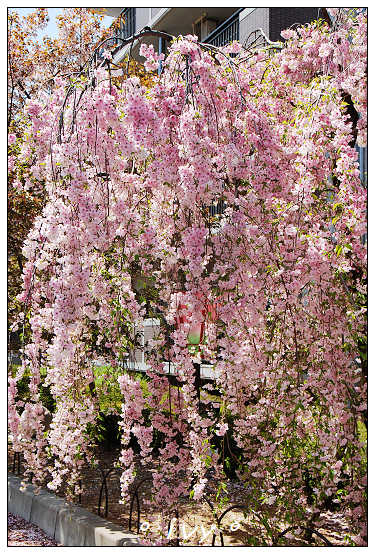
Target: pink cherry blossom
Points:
(223, 202)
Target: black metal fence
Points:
(216, 518)
(227, 32)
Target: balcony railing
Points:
(226, 32)
(124, 26)
(217, 209)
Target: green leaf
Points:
(338, 249)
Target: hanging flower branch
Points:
(133, 179)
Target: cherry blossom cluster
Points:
(133, 178)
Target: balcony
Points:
(124, 26)
(226, 32)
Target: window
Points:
(126, 21)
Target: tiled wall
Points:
(257, 19)
(142, 18)
(282, 18)
(273, 20)
(154, 11)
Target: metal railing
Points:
(226, 32)
(217, 209)
(126, 21)
(245, 508)
(122, 28)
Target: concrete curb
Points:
(66, 523)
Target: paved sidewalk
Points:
(23, 533)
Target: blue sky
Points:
(51, 29)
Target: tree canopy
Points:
(32, 68)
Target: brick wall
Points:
(282, 18)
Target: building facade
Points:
(216, 26)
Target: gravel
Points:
(23, 533)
